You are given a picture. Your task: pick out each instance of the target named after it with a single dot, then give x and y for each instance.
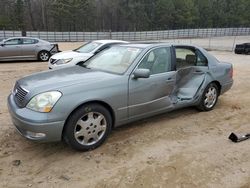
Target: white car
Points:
(84, 52)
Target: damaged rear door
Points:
(191, 71)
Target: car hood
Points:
(72, 54)
(57, 79)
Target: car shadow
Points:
(21, 61)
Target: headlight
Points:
(44, 102)
(63, 61)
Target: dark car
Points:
(242, 48)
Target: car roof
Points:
(146, 44)
(110, 41)
(22, 38)
(137, 45)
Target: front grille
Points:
(19, 94)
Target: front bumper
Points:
(34, 125)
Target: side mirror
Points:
(141, 73)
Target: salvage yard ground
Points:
(184, 148)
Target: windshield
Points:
(116, 59)
(87, 48)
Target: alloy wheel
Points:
(210, 97)
(44, 56)
(90, 128)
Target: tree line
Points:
(122, 15)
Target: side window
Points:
(29, 41)
(186, 57)
(157, 61)
(201, 59)
(13, 42)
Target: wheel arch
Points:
(217, 83)
(104, 104)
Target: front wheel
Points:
(88, 127)
(43, 55)
(209, 97)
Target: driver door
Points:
(152, 95)
(11, 49)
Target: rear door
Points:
(11, 49)
(191, 67)
(151, 95)
(29, 46)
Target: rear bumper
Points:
(55, 49)
(226, 87)
(34, 125)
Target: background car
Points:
(242, 48)
(84, 52)
(81, 104)
(25, 48)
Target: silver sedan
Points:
(81, 104)
(25, 48)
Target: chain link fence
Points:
(210, 38)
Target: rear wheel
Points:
(43, 55)
(209, 97)
(88, 127)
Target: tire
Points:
(43, 55)
(209, 97)
(88, 127)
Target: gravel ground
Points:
(184, 148)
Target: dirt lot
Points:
(184, 148)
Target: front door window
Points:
(157, 61)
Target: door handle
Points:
(198, 72)
(169, 79)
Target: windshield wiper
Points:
(76, 50)
(85, 66)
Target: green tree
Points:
(165, 11)
(122, 15)
(18, 15)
